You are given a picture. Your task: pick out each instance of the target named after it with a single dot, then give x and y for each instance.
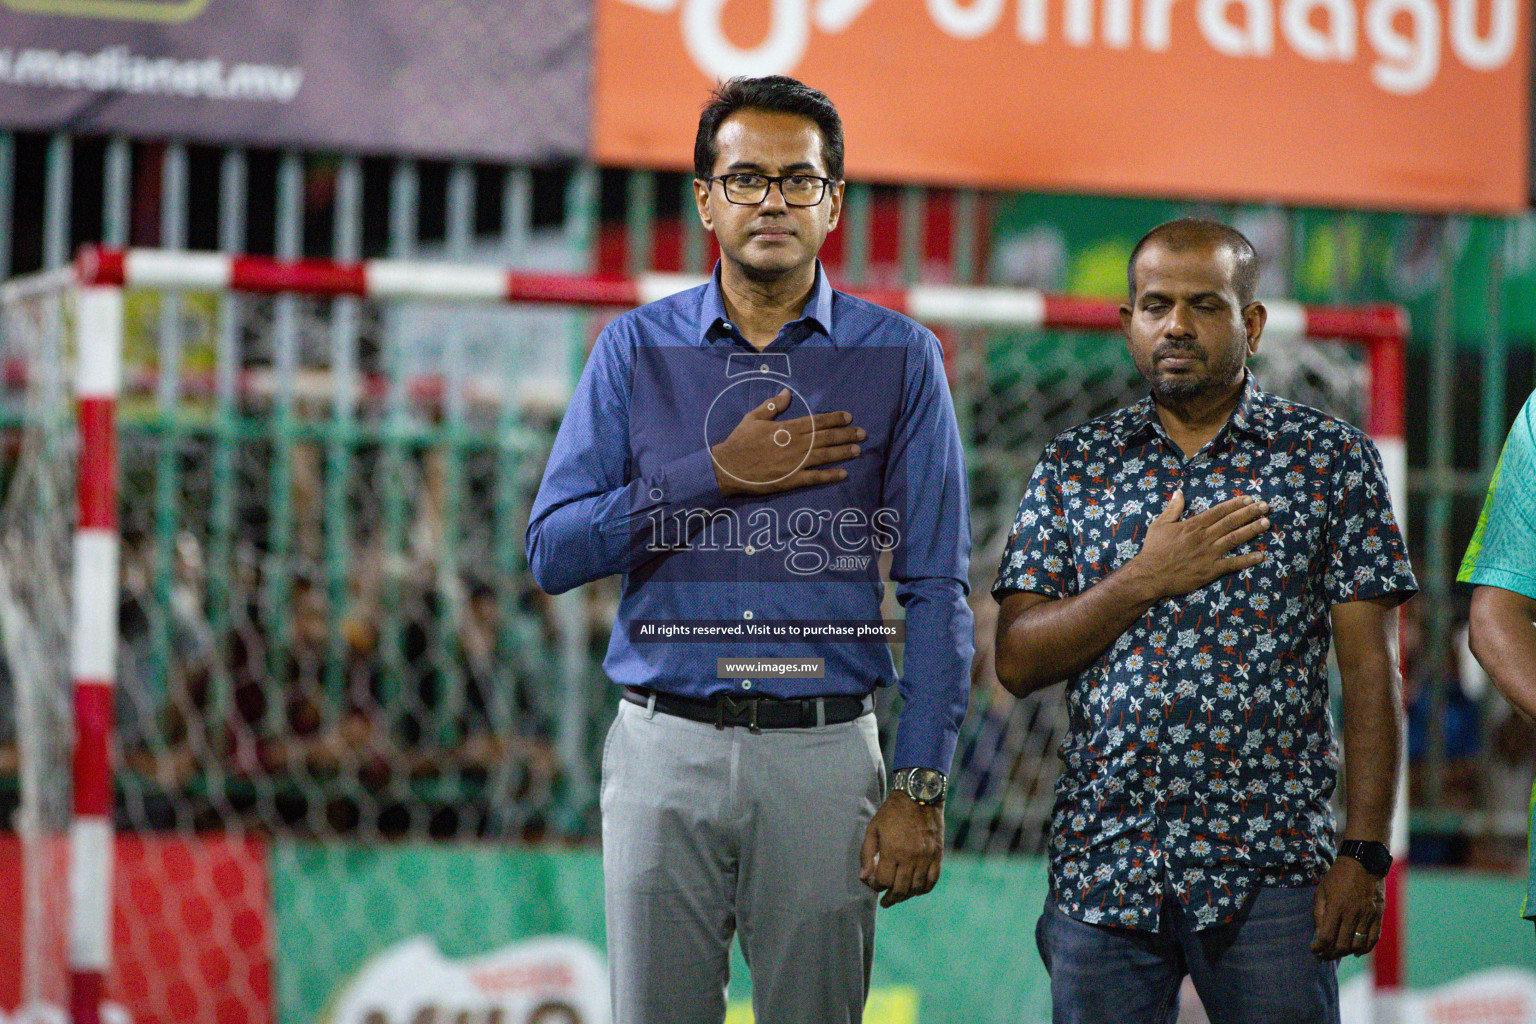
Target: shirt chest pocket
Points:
(1296, 539)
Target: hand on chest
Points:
(1109, 507)
(685, 399)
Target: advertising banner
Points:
(224, 930)
(545, 980)
(1079, 245)
(460, 78)
(479, 934)
(1410, 104)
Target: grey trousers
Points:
(709, 832)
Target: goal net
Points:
(299, 627)
(37, 519)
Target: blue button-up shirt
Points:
(1200, 757)
(631, 488)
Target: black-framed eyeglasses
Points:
(751, 189)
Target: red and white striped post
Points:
(1389, 377)
(101, 272)
(93, 648)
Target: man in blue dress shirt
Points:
(745, 453)
(1183, 565)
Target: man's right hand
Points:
(1042, 640)
(764, 455)
(1181, 555)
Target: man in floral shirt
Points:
(1183, 564)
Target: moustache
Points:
(1177, 351)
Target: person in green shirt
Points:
(1500, 564)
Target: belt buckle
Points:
(729, 704)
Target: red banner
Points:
(191, 933)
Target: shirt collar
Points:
(818, 308)
(1255, 412)
(1253, 415)
(1134, 421)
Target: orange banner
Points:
(1375, 103)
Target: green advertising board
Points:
(1079, 245)
(966, 952)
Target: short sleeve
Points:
(1366, 556)
(1503, 549)
(1038, 557)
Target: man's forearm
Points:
(1503, 638)
(1373, 736)
(1056, 639)
(568, 546)
(1041, 641)
(599, 535)
(935, 672)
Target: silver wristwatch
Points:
(924, 785)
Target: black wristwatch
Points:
(924, 785)
(1374, 857)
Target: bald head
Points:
(1189, 233)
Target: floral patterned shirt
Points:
(1200, 755)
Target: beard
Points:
(1207, 376)
(1181, 389)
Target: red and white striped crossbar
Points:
(102, 272)
(937, 304)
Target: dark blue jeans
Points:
(1258, 969)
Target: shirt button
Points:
(747, 614)
(764, 368)
(746, 684)
(728, 325)
(750, 550)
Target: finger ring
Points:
(1362, 935)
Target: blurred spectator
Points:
(419, 708)
(1460, 728)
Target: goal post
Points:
(1000, 396)
(93, 644)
